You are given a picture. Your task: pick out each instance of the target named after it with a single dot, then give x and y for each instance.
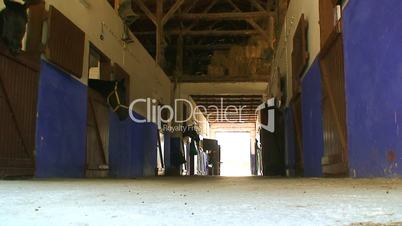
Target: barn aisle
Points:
(201, 201)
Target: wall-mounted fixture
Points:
(102, 34)
(129, 17)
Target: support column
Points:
(160, 39)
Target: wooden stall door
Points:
(335, 160)
(97, 135)
(18, 100)
(65, 43)
(327, 19)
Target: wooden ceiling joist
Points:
(224, 16)
(204, 33)
(245, 110)
(257, 5)
(239, 78)
(171, 11)
(187, 32)
(206, 10)
(251, 21)
(146, 10)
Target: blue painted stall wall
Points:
(147, 141)
(61, 125)
(290, 143)
(132, 148)
(313, 142)
(373, 73)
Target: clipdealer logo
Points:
(213, 113)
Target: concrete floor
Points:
(201, 201)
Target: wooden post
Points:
(34, 31)
(179, 56)
(159, 33)
(117, 5)
(145, 9)
(171, 11)
(251, 21)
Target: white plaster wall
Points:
(283, 56)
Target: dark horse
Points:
(13, 21)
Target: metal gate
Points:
(97, 135)
(18, 100)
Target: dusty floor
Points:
(200, 201)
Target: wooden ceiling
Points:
(239, 108)
(184, 35)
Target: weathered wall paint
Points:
(373, 70)
(61, 124)
(313, 143)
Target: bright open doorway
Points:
(235, 153)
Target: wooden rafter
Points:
(145, 9)
(257, 5)
(206, 10)
(199, 47)
(251, 22)
(179, 55)
(171, 11)
(205, 33)
(160, 40)
(190, 7)
(211, 47)
(224, 16)
(246, 107)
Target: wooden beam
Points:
(145, 9)
(257, 5)
(205, 33)
(159, 33)
(206, 10)
(171, 11)
(221, 33)
(198, 46)
(206, 78)
(190, 7)
(211, 47)
(179, 55)
(224, 16)
(247, 107)
(117, 5)
(259, 29)
(229, 96)
(251, 22)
